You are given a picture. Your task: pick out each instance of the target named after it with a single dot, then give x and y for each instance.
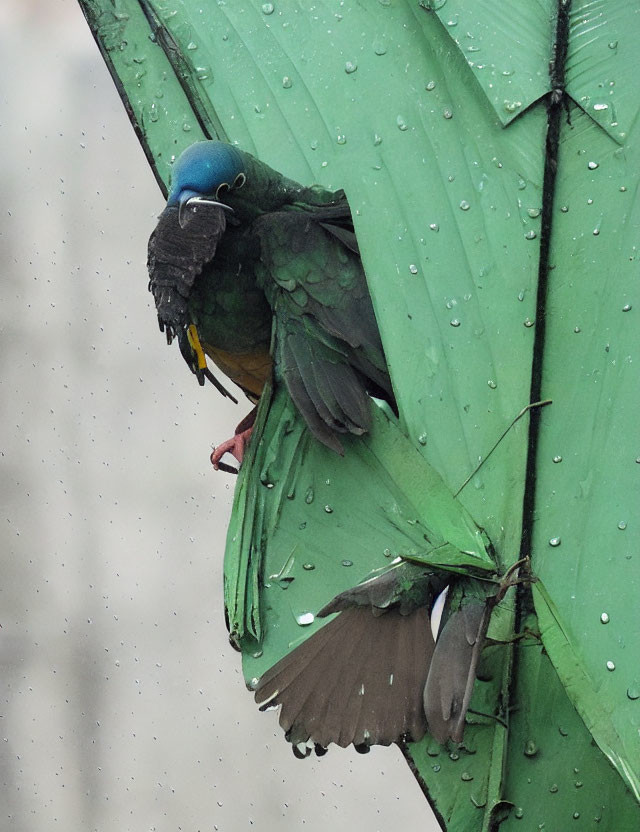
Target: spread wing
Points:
(176, 256)
(327, 345)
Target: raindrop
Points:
(600, 107)
(267, 8)
(512, 106)
(328, 509)
(596, 231)
(578, 784)
(253, 683)
(557, 458)
(492, 384)
(422, 439)
(436, 768)
(350, 67)
(466, 776)
(413, 269)
(507, 72)
(519, 813)
(464, 205)
(191, 45)
(623, 188)
(447, 113)
(347, 562)
(622, 525)
(521, 184)
(533, 212)
(554, 788)
(604, 618)
(379, 48)
(610, 665)
(633, 693)
(626, 307)
(577, 329)
(257, 654)
(308, 566)
(186, 127)
(434, 749)
(520, 296)
(454, 322)
(308, 497)
(563, 731)
(387, 553)
(576, 815)
(377, 139)
(402, 124)
(305, 618)
(530, 748)
(341, 139)
(530, 235)
(430, 86)
(453, 22)
(554, 541)
(287, 83)
(454, 756)
(613, 44)
(528, 322)
(314, 144)
(434, 226)
(564, 208)
(593, 165)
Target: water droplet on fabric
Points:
(436, 767)
(350, 67)
(402, 124)
(611, 665)
(576, 815)
(604, 618)
(553, 789)
(466, 776)
(613, 44)
(528, 322)
(308, 566)
(519, 813)
(413, 269)
(530, 748)
(347, 562)
(447, 113)
(267, 8)
(464, 205)
(512, 106)
(599, 107)
(434, 226)
(287, 83)
(564, 208)
(492, 384)
(557, 458)
(533, 212)
(633, 693)
(622, 525)
(454, 322)
(593, 165)
(387, 553)
(328, 509)
(341, 139)
(554, 541)
(626, 307)
(430, 86)
(577, 330)
(314, 144)
(422, 439)
(308, 497)
(454, 756)
(257, 654)
(305, 618)
(530, 235)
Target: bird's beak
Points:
(188, 203)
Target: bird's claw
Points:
(235, 446)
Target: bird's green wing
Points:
(327, 347)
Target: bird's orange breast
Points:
(248, 370)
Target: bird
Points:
(241, 254)
(263, 276)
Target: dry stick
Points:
(499, 440)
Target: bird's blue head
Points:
(206, 169)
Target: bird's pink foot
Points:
(235, 446)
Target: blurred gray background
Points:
(123, 707)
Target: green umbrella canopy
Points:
(498, 229)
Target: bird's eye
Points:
(222, 189)
(239, 181)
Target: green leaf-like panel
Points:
(413, 111)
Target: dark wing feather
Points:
(453, 671)
(176, 256)
(359, 679)
(327, 345)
